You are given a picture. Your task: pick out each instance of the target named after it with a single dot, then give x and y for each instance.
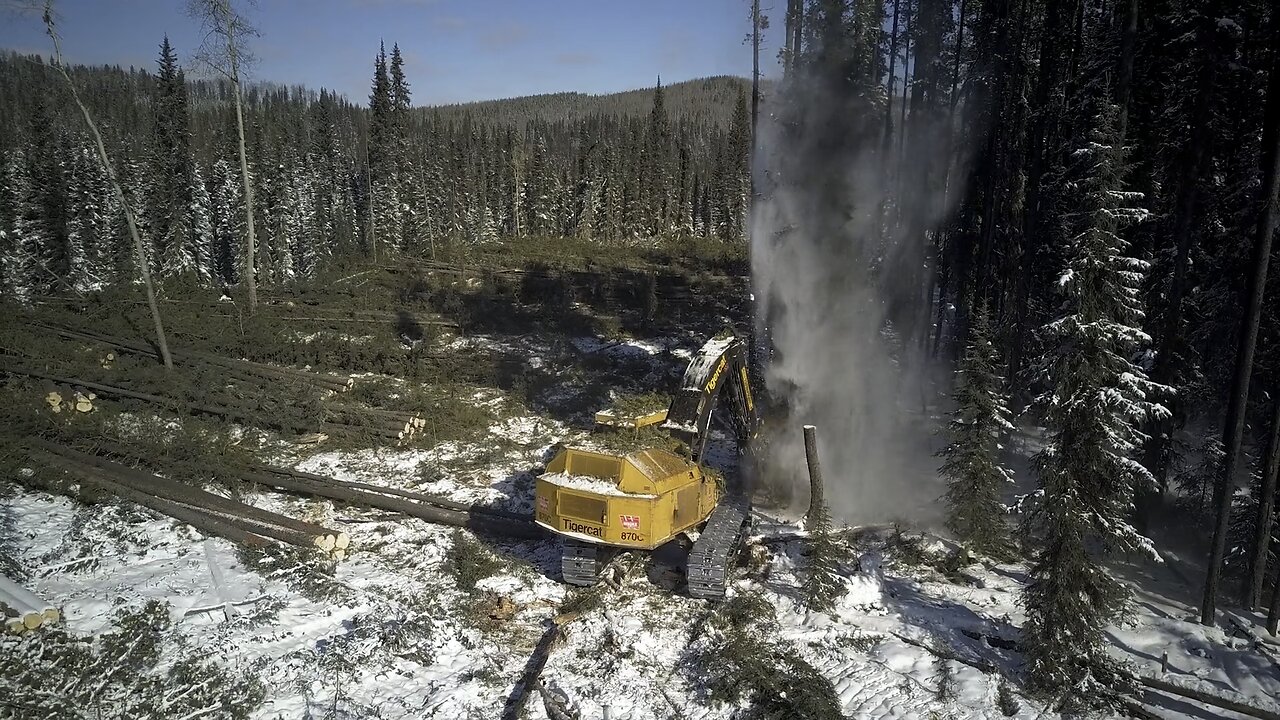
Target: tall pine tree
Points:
(1096, 401)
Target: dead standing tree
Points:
(130, 219)
(225, 51)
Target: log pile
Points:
(245, 398)
(213, 514)
(22, 609)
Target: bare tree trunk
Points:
(816, 498)
(221, 22)
(1194, 162)
(1273, 616)
(755, 77)
(129, 218)
(893, 68)
(908, 73)
(796, 41)
(251, 273)
(1124, 73)
(1266, 511)
(1238, 404)
(788, 46)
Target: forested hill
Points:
(705, 101)
(331, 178)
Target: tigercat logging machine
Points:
(600, 503)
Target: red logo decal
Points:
(630, 521)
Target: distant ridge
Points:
(709, 99)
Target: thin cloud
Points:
(504, 36)
(576, 58)
(448, 22)
(385, 3)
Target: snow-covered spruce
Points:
(1095, 401)
(975, 478)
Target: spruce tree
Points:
(975, 478)
(737, 171)
(655, 179)
(171, 180)
(821, 587)
(1096, 400)
(225, 215)
(20, 232)
(199, 223)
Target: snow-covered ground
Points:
(404, 629)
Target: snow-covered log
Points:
(1234, 703)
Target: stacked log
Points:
(214, 514)
(22, 609)
(394, 424)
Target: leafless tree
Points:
(225, 51)
(57, 63)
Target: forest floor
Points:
(425, 621)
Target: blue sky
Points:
(455, 50)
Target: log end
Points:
(325, 542)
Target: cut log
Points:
(473, 520)
(400, 425)
(198, 519)
(1234, 704)
(397, 492)
(23, 609)
(291, 530)
(361, 431)
(240, 415)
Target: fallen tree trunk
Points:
(1234, 704)
(198, 519)
(337, 383)
(475, 521)
(292, 530)
(400, 425)
(362, 431)
(168, 402)
(408, 494)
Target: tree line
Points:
(1073, 202)
(334, 180)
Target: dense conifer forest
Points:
(609, 168)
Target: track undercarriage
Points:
(710, 560)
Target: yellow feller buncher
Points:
(600, 503)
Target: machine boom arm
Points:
(719, 364)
